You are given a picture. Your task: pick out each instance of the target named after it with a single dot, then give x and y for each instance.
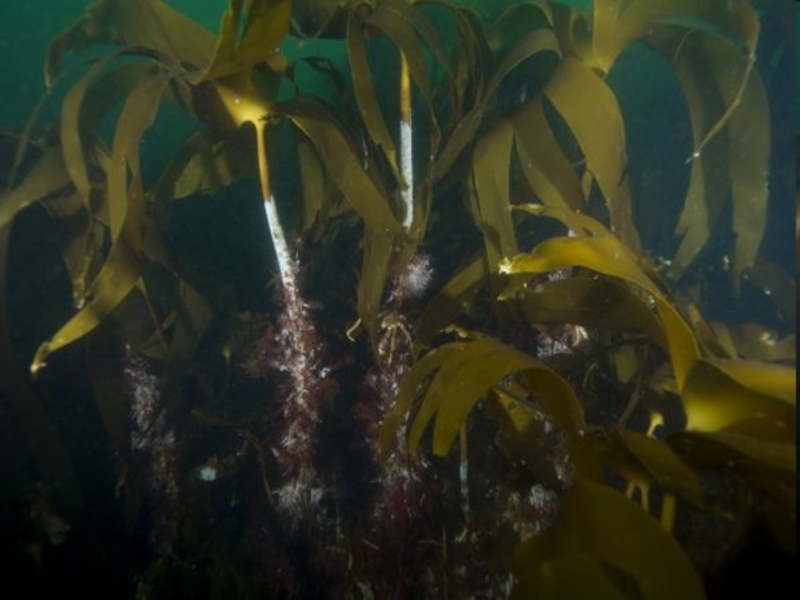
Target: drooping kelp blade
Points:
(468, 372)
(147, 24)
(547, 169)
(126, 208)
(491, 182)
(601, 526)
(618, 23)
(591, 111)
(720, 85)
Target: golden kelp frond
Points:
(595, 550)
(717, 394)
(548, 171)
(736, 163)
(464, 374)
(591, 111)
(122, 268)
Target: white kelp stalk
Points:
(299, 354)
(397, 508)
(406, 145)
(295, 348)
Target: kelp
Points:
(600, 533)
(731, 387)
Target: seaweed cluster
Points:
(512, 397)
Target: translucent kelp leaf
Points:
(756, 398)
(48, 177)
(491, 175)
(250, 33)
(591, 111)
(404, 38)
(387, 18)
(517, 20)
(548, 171)
(83, 109)
(749, 162)
(469, 373)
(601, 524)
(319, 194)
(422, 26)
(121, 270)
(452, 299)
(445, 378)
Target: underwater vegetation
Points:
(361, 299)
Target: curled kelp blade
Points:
(468, 373)
(618, 23)
(396, 418)
(600, 534)
(719, 82)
